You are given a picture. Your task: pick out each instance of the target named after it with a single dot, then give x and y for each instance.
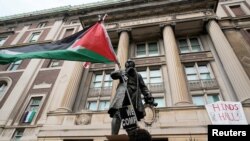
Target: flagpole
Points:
(104, 17)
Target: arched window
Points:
(3, 88)
(5, 83)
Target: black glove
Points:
(150, 101)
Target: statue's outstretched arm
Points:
(116, 74)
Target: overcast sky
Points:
(12, 7)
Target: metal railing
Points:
(156, 87)
(203, 84)
(96, 91)
(106, 91)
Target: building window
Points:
(54, 63)
(32, 109)
(92, 105)
(199, 76)
(42, 24)
(102, 80)
(14, 66)
(100, 91)
(34, 37)
(3, 87)
(2, 40)
(104, 105)
(204, 99)
(98, 105)
(160, 101)
(189, 45)
(98, 81)
(68, 32)
(197, 71)
(147, 49)
(237, 10)
(18, 134)
(152, 77)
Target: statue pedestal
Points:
(137, 135)
(122, 137)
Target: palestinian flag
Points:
(89, 45)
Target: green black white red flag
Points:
(89, 45)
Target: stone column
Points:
(123, 46)
(73, 86)
(176, 73)
(122, 55)
(233, 68)
(54, 30)
(66, 86)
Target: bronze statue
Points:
(131, 83)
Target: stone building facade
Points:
(189, 52)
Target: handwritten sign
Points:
(225, 112)
(128, 117)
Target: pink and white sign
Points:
(225, 112)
